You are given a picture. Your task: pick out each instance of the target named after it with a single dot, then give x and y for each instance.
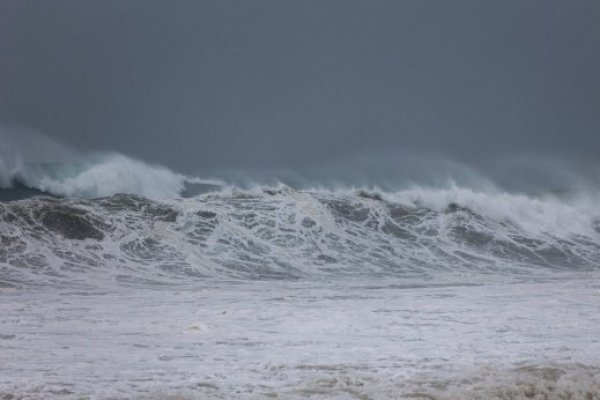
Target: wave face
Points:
(281, 233)
(96, 176)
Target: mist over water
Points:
(41, 163)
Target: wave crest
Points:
(281, 233)
(98, 176)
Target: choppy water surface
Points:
(281, 233)
(379, 339)
(280, 293)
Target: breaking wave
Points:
(65, 215)
(32, 164)
(98, 176)
(282, 233)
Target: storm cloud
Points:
(204, 85)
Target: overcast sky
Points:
(199, 85)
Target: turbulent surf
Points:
(282, 233)
(121, 280)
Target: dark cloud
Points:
(202, 85)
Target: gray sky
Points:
(199, 85)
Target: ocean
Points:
(121, 280)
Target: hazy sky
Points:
(253, 84)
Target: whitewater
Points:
(120, 279)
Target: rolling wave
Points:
(100, 175)
(70, 217)
(282, 233)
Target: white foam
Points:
(95, 176)
(41, 163)
(532, 214)
(110, 174)
(377, 339)
(284, 234)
